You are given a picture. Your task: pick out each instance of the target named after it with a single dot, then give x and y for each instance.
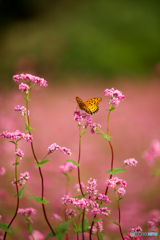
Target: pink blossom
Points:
(103, 198)
(153, 151)
(68, 166)
(121, 191)
(56, 217)
(128, 237)
(131, 162)
(2, 171)
(54, 147)
(95, 211)
(26, 211)
(105, 211)
(77, 187)
(14, 136)
(37, 235)
(30, 78)
(19, 153)
(113, 182)
(21, 109)
(94, 127)
(24, 87)
(22, 180)
(96, 225)
(115, 95)
(71, 213)
(91, 188)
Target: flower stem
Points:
(40, 172)
(17, 195)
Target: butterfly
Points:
(90, 106)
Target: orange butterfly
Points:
(90, 106)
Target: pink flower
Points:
(68, 166)
(105, 211)
(96, 225)
(22, 180)
(14, 136)
(113, 182)
(121, 191)
(26, 211)
(30, 78)
(2, 171)
(131, 162)
(115, 95)
(19, 153)
(103, 198)
(95, 211)
(21, 109)
(153, 151)
(128, 237)
(77, 187)
(24, 87)
(54, 147)
(37, 235)
(91, 188)
(71, 213)
(56, 217)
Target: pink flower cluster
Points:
(71, 213)
(24, 87)
(154, 222)
(2, 171)
(19, 153)
(77, 187)
(30, 78)
(36, 235)
(128, 237)
(115, 95)
(21, 109)
(56, 217)
(91, 188)
(131, 162)
(22, 180)
(97, 226)
(14, 136)
(68, 166)
(116, 182)
(54, 147)
(79, 117)
(153, 152)
(86, 204)
(26, 211)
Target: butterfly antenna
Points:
(71, 100)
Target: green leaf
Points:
(42, 162)
(16, 163)
(27, 99)
(75, 163)
(28, 128)
(119, 199)
(75, 228)
(112, 109)
(116, 170)
(67, 175)
(4, 227)
(116, 223)
(80, 196)
(82, 134)
(96, 220)
(39, 199)
(106, 137)
(30, 229)
(20, 193)
(101, 237)
(60, 231)
(13, 142)
(86, 225)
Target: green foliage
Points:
(75, 163)
(16, 163)
(39, 199)
(4, 227)
(60, 231)
(67, 175)
(104, 136)
(116, 170)
(86, 225)
(116, 223)
(42, 162)
(20, 193)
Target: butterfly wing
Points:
(83, 106)
(92, 104)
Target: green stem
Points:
(40, 172)
(16, 158)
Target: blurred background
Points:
(81, 48)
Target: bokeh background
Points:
(81, 48)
